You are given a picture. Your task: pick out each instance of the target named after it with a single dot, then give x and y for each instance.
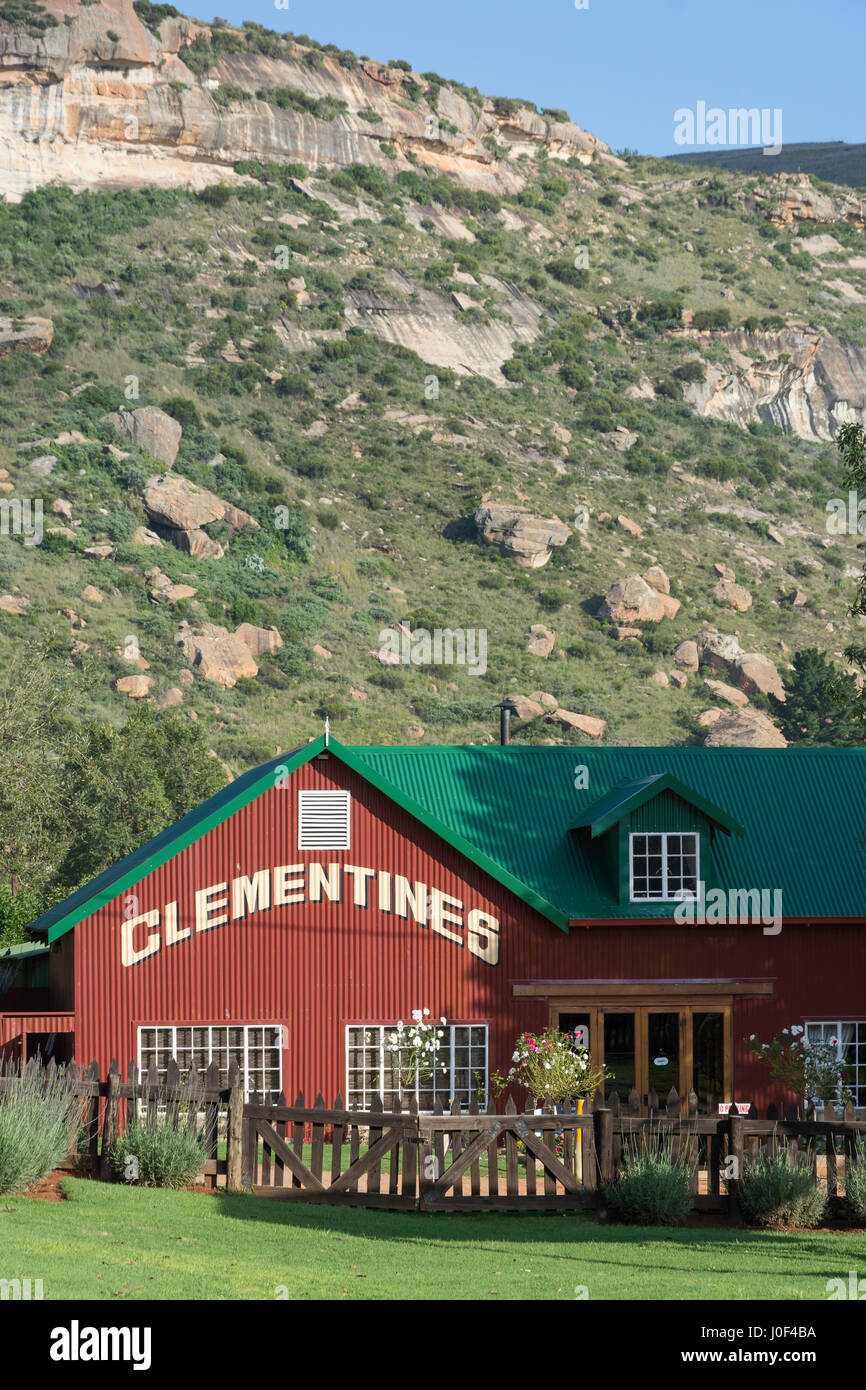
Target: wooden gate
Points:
(513, 1160)
(276, 1165)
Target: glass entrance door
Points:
(663, 1054)
(650, 1047)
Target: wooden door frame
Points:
(641, 1005)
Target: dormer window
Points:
(663, 867)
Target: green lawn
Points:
(116, 1242)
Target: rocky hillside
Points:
(304, 356)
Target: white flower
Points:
(752, 1037)
(784, 1031)
(798, 1028)
(443, 1020)
(426, 1012)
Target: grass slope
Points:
(115, 1243)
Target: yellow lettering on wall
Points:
(384, 891)
(251, 894)
(328, 882)
(439, 914)
(128, 954)
(204, 907)
(404, 898)
(360, 877)
(482, 936)
(289, 884)
(169, 918)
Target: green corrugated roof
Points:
(802, 810)
(510, 809)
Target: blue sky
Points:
(621, 67)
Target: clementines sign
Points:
(148, 933)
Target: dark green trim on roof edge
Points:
(219, 808)
(627, 796)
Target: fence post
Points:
(735, 1148)
(109, 1124)
(602, 1119)
(235, 1130)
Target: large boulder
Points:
(686, 656)
(738, 598)
(541, 641)
(657, 579)
(745, 728)
(520, 534)
(749, 671)
(720, 652)
(584, 723)
(526, 708)
(182, 509)
(632, 600)
(136, 687)
(756, 675)
(217, 654)
(259, 641)
(150, 428)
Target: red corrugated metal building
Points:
(296, 917)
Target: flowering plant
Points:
(414, 1048)
(811, 1069)
(551, 1066)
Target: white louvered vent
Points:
(323, 820)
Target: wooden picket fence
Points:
(198, 1099)
(530, 1160)
(513, 1160)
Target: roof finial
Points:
(327, 729)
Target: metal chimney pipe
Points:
(506, 709)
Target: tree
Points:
(36, 732)
(120, 787)
(822, 703)
(851, 443)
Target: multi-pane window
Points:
(374, 1069)
(254, 1046)
(850, 1042)
(663, 867)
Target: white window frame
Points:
(313, 798)
(836, 1025)
(665, 896)
(445, 1086)
(211, 1029)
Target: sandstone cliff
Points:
(97, 99)
(806, 383)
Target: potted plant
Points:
(811, 1069)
